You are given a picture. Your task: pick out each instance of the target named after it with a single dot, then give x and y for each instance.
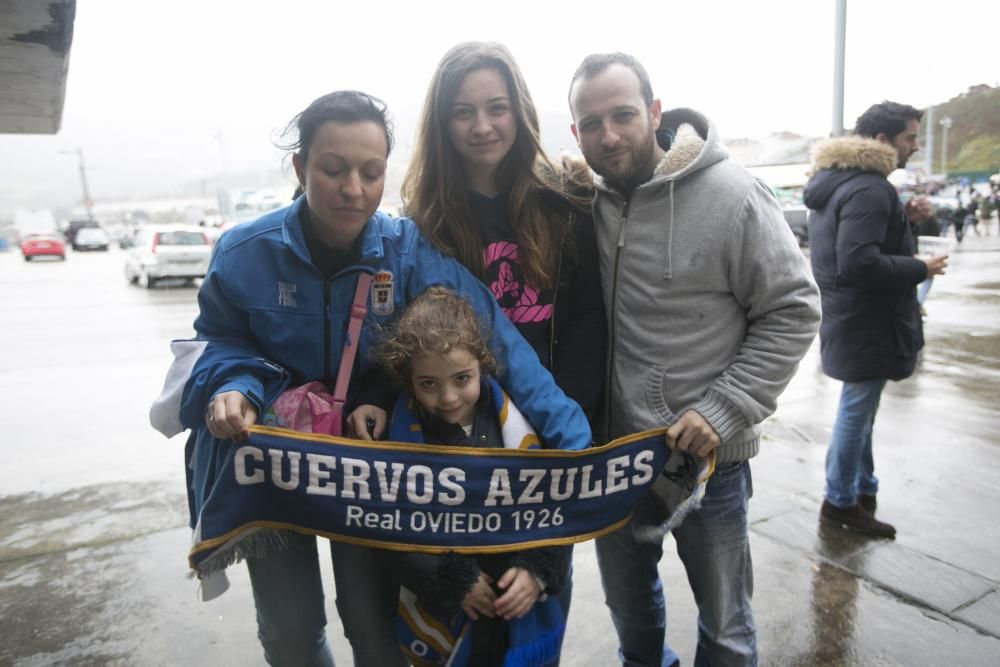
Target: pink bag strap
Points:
(358, 311)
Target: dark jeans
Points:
(712, 543)
(291, 611)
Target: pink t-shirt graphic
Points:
(517, 299)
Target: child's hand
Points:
(521, 593)
(360, 418)
(480, 598)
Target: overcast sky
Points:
(153, 84)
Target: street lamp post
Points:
(929, 142)
(839, 51)
(945, 124)
(223, 193)
(88, 204)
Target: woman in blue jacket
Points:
(274, 309)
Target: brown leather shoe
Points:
(868, 502)
(857, 519)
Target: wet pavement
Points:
(93, 535)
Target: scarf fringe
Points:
(257, 544)
(653, 534)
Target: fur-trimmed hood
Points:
(855, 153)
(842, 159)
(695, 144)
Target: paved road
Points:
(93, 537)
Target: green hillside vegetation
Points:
(974, 137)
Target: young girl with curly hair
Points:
(437, 353)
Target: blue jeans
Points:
(368, 602)
(291, 613)
(850, 469)
(712, 543)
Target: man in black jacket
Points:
(861, 248)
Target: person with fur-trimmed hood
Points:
(861, 247)
(711, 305)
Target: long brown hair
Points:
(435, 186)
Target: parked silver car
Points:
(91, 238)
(797, 218)
(167, 251)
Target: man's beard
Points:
(901, 163)
(642, 172)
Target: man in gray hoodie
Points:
(711, 305)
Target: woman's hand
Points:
(363, 415)
(521, 592)
(480, 598)
(230, 415)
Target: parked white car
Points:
(168, 251)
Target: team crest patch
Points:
(382, 293)
(286, 294)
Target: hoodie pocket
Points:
(655, 400)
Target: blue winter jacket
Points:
(270, 320)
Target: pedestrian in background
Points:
(711, 306)
(862, 252)
(968, 203)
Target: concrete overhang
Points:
(35, 39)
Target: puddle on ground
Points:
(977, 348)
(35, 523)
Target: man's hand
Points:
(935, 265)
(230, 416)
(919, 208)
(691, 433)
(360, 418)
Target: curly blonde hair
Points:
(436, 322)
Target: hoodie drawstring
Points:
(669, 274)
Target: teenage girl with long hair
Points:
(481, 188)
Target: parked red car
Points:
(43, 245)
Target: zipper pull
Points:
(621, 229)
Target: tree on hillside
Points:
(974, 136)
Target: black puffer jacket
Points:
(861, 248)
(578, 339)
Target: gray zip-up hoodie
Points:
(711, 304)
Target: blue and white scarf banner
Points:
(414, 497)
